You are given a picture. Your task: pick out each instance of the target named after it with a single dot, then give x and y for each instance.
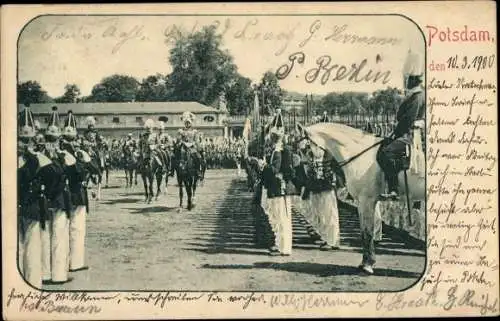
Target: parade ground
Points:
(134, 246)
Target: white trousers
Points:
(279, 210)
(77, 231)
(46, 252)
(30, 252)
(324, 216)
(59, 246)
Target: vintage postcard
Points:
(249, 160)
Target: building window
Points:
(163, 119)
(138, 119)
(209, 119)
(116, 120)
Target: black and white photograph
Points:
(221, 153)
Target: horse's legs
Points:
(107, 177)
(189, 191)
(151, 179)
(179, 182)
(136, 173)
(193, 188)
(159, 179)
(126, 178)
(145, 181)
(99, 183)
(366, 210)
(166, 182)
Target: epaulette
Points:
(69, 160)
(85, 156)
(43, 160)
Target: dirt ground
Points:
(136, 246)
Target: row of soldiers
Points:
(53, 172)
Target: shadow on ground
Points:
(316, 269)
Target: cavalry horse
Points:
(130, 164)
(355, 152)
(186, 168)
(151, 168)
(96, 168)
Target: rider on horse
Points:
(164, 140)
(149, 143)
(394, 151)
(189, 139)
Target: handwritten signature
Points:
(110, 30)
(327, 71)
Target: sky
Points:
(56, 50)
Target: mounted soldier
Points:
(164, 141)
(91, 133)
(188, 139)
(393, 154)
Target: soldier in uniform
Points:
(163, 143)
(325, 118)
(188, 138)
(91, 133)
(277, 173)
(56, 243)
(34, 173)
(410, 113)
(148, 140)
(77, 178)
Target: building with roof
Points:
(119, 119)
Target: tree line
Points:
(201, 71)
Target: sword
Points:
(407, 197)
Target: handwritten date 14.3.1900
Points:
(478, 62)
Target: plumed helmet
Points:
(149, 124)
(53, 130)
(277, 123)
(187, 116)
(90, 121)
(26, 123)
(413, 66)
(69, 131)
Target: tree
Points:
(155, 88)
(30, 92)
(385, 102)
(270, 89)
(240, 96)
(201, 69)
(71, 94)
(115, 88)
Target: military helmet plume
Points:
(53, 130)
(26, 123)
(69, 131)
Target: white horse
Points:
(364, 178)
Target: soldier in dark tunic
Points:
(276, 174)
(393, 151)
(77, 173)
(31, 206)
(59, 203)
